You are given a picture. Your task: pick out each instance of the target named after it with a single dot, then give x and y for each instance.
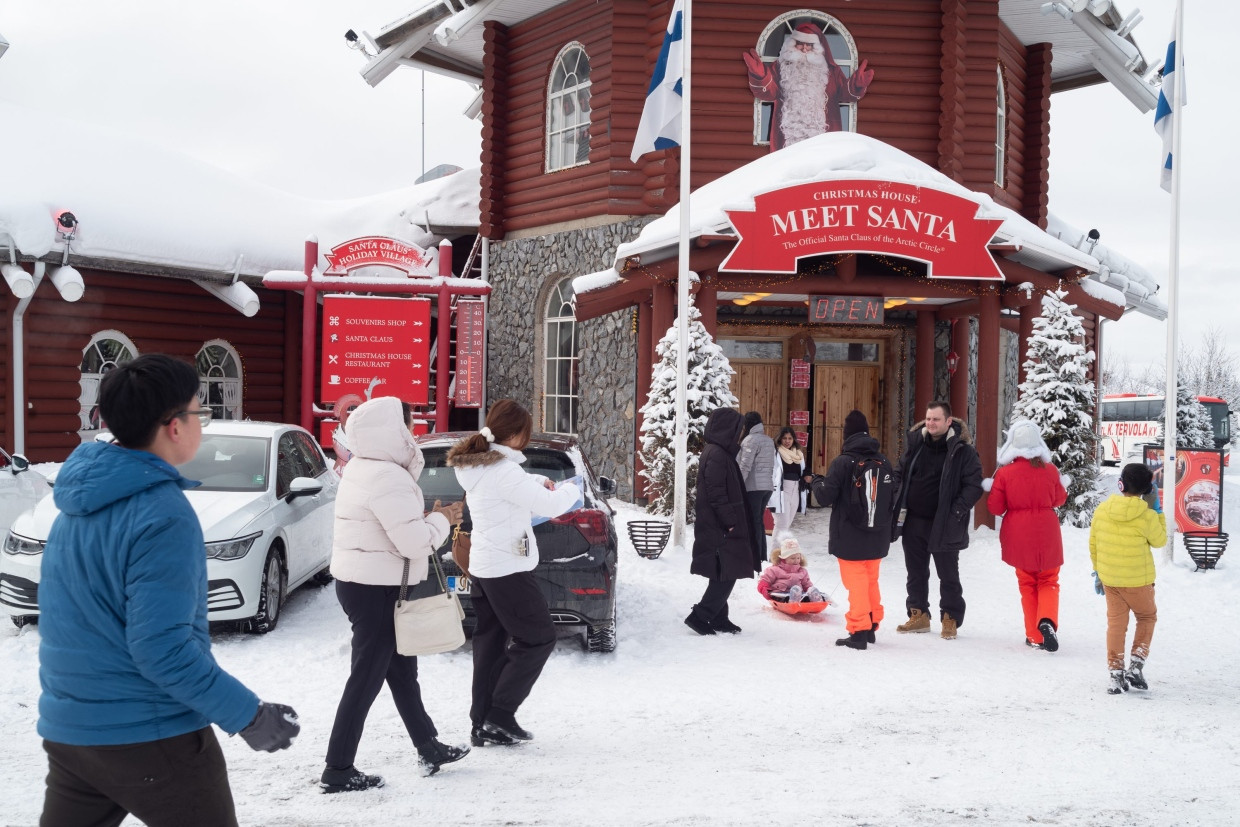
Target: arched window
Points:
(560, 347)
(107, 349)
(219, 378)
(568, 109)
(1000, 128)
(843, 52)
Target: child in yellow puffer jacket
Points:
(1124, 528)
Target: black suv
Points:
(577, 551)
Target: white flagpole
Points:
(1173, 277)
(680, 492)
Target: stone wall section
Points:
(522, 275)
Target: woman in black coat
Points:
(723, 547)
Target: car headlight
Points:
(17, 544)
(232, 549)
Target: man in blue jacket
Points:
(130, 688)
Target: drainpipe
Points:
(19, 363)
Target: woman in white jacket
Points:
(514, 635)
(379, 525)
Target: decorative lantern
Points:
(953, 360)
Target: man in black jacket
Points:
(938, 481)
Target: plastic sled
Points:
(803, 608)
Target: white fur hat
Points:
(1024, 439)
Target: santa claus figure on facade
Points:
(805, 86)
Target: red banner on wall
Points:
(375, 346)
(471, 326)
(863, 216)
(800, 374)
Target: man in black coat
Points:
(858, 548)
(938, 481)
(723, 547)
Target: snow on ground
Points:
(774, 725)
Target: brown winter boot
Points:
(918, 621)
(949, 627)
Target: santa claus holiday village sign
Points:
(863, 216)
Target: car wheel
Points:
(270, 595)
(24, 620)
(601, 638)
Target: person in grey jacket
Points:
(757, 464)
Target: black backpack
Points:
(867, 503)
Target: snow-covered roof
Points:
(829, 157)
(142, 204)
(1115, 273)
(1086, 44)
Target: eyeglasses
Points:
(204, 416)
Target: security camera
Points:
(66, 222)
(351, 37)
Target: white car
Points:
(266, 504)
(20, 488)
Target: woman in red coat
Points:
(1025, 491)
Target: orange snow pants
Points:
(865, 604)
(1039, 597)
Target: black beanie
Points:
(1136, 478)
(855, 423)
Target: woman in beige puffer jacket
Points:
(380, 525)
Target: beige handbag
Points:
(428, 625)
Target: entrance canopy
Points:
(848, 193)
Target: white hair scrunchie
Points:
(486, 434)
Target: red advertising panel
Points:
(796, 418)
(471, 328)
(800, 374)
(1198, 487)
(802, 437)
(376, 346)
(863, 216)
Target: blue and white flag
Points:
(660, 124)
(1168, 106)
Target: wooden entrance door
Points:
(839, 389)
(762, 387)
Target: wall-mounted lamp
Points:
(953, 362)
(20, 282)
(69, 282)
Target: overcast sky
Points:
(270, 91)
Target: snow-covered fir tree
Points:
(1193, 428)
(707, 389)
(1059, 398)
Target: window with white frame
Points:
(568, 109)
(771, 42)
(219, 379)
(1000, 128)
(107, 349)
(560, 348)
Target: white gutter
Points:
(19, 363)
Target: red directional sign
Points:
(863, 216)
(376, 346)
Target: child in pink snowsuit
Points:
(787, 575)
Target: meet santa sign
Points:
(863, 216)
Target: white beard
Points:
(803, 80)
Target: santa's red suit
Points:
(804, 86)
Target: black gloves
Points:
(274, 727)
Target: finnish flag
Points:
(1165, 112)
(660, 124)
